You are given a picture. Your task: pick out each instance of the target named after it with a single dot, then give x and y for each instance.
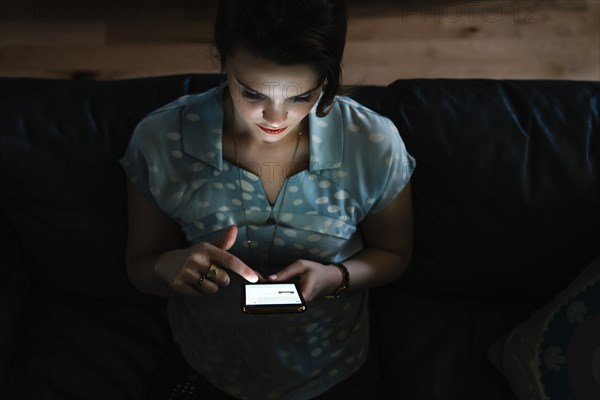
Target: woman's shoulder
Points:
(354, 111)
(362, 126)
(187, 101)
(175, 115)
(375, 161)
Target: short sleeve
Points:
(135, 162)
(394, 164)
(175, 151)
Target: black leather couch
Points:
(507, 210)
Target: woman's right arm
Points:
(151, 234)
(161, 262)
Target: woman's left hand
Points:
(315, 279)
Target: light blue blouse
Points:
(358, 164)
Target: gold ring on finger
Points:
(212, 272)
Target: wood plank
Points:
(549, 39)
(441, 8)
(364, 62)
(478, 22)
(159, 31)
(105, 10)
(106, 62)
(367, 63)
(52, 33)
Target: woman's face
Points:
(270, 100)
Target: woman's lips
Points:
(272, 131)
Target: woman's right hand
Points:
(185, 270)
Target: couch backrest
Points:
(62, 191)
(61, 187)
(507, 184)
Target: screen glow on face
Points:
(268, 95)
(272, 294)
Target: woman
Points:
(270, 177)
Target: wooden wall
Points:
(545, 39)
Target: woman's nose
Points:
(276, 117)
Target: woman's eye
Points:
(251, 95)
(302, 99)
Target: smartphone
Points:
(267, 298)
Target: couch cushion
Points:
(555, 353)
(433, 346)
(14, 291)
(507, 187)
(81, 347)
(61, 186)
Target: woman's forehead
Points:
(260, 74)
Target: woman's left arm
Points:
(388, 239)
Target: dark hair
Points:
(287, 32)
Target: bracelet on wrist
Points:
(343, 286)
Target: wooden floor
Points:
(387, 40)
